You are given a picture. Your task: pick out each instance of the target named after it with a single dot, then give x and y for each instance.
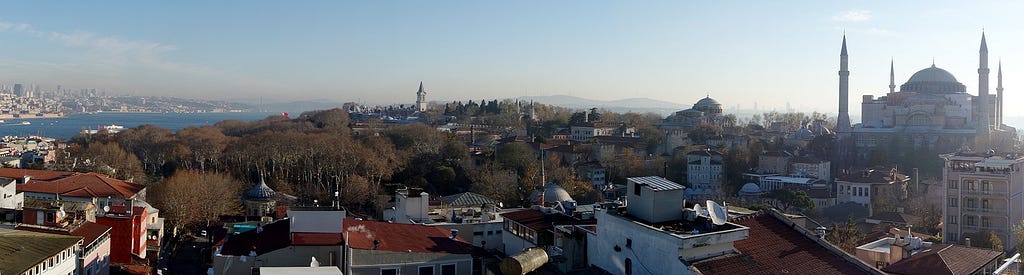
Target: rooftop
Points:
(657, 183)
(45, 175)
(88, 185)
(396, 237)
(945, 259)
(468, 199)
(538, 220)
(874, 176)
(20, 250)
(274, 236)
(776, 247)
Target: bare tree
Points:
(191, 198)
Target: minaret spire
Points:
(985, 113)
(421, 99)
(892, 76)
(843, 121)
(999, 95)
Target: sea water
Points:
(68, 126)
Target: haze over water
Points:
(68, 126)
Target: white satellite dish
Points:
(718, 215)
(61, 214)
(106, 208)
(701, 212)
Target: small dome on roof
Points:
(260, 192)
(552, 193)
(750, 189)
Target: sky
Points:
(739, 52)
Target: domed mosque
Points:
(706, 111)
(930, 109)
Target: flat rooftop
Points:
(682, 227)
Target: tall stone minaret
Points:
(983, 122)
(421, 99)
(892, 77)
(843, 122)
(999, 96)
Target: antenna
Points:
(718, 214)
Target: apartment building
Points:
(980, 194)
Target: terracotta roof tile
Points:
(88, 185)
(397, 237)
(774, 248)
(945, 259)
(44, 175)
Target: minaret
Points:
(892, 77)
(999, 96)
(983, 123)
(843, 122)
(421, 99)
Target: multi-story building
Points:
(982, 192)
(876, 189)
(26, 252)
(705, 170)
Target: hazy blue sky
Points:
(771, 52)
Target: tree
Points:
(702, 133)
(845, 236)
(986, 238)
(191, 198)
(796, 200)
(1018, 239)
(108, 158)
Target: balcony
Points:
(984, 210)
(986, 193)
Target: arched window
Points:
(919, 119)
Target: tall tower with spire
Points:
(999, 96)
(892, 77)
(421, 99)
(843, 122)
(984, 113)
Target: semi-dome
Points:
(933, 80)
(260, 192)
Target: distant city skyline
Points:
(741, 53)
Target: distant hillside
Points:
(640, 105)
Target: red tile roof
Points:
(773, 247)
(945, 259)
(89, 231)
(44, 175)
(88, 185)
(397, 237)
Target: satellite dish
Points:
(700, 210)
(61, 214)
(718, 215)
(106, 208)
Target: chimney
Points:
(455, 233)
(967, 242)
(376, 243)
(26, 178)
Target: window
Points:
(629, 242)
(629, 266)
(952, 219)
(426, 270)
(636, 189)
(448, 269)
(952, 202)
(388, 271)
(986, 222)
(985, 204)
(49, 216)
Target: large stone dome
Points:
(552, 193)
(933, 80)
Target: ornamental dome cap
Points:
(260, 192)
